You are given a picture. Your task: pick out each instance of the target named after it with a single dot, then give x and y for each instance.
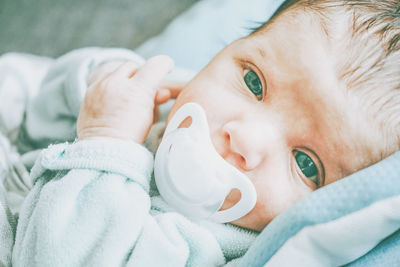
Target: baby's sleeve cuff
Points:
(126, 158)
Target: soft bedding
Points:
(353, 222)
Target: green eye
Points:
(307, 166)
(254, 84)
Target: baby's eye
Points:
(254, 84)
(307, 166)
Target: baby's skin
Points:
(121, 101)
(275, 107)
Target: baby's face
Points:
(278, 113)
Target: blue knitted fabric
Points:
(331, 202)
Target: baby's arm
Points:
(89, 205)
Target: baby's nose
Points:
(246, 144)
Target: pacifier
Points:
(192, 177)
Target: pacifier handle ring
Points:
(245, 205)
(193, 110)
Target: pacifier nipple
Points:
(192, 177)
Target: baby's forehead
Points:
(293, 18)
(292, 28)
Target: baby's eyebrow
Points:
(261, 52)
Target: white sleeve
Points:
(7, 230)
(87, 207)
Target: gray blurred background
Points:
(54, 27)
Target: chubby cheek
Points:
(271, 201)
(209, 96)
(275, 193)
(262, 214)
(184, 97)
(195, 91)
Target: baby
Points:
(307, 99)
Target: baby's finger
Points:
(153, 71)
(175, 87)
(126, 70)
(162, 96)
(157, 114)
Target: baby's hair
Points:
(365, 35)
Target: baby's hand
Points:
(121, 104)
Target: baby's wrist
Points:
(104, 133)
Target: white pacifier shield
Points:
(192, 177)
(187, 173)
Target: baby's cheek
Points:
(269, 205)
(257, 218)
(264, 212)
